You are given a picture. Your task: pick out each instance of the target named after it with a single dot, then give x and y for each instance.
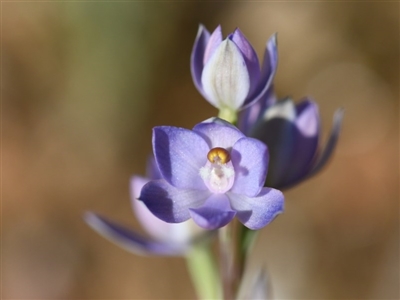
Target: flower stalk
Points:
(228, 115)
(226, 261)
(204, 273)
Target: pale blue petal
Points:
(250, 56)
(180, 153)
(155, 227)
(250, 160)
(257, 212)
(268, 70)
(212, 44)
(218, 133)
(196, 59)
(152, 170)
(214, 213)
(169, 203)
(130, 240)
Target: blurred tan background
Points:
(84, 83)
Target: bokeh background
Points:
(82, 85)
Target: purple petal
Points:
(196, 59)
(157, 228)
(331, 144)
(152, 171)
(307, 120)
(268, 71)
(248, 117)
(215, 213)
(212, 44)
(218, 133)
(258, 211)
(177, 233)
(306, 141)
(180, 153)
(225, 78)
(130, 240)
(136, 185)
(169, 203)
(250, 56)
(278, 131)
(250, 161)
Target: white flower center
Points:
(218, 173)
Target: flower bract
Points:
(211, 174)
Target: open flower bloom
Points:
(227, 72)
(292, 133)
(163, 238)
(211, 174)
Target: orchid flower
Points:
(201, 179)
(227, 71)
(292, 133)
(211, 174)
(163, 238)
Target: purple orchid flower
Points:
(211, 174)
(227, 72)
(164, 238)
(292, 133)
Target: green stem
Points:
(229, 260)
(228, 114)
(246, 242)
(204, 272)
(225, 248)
